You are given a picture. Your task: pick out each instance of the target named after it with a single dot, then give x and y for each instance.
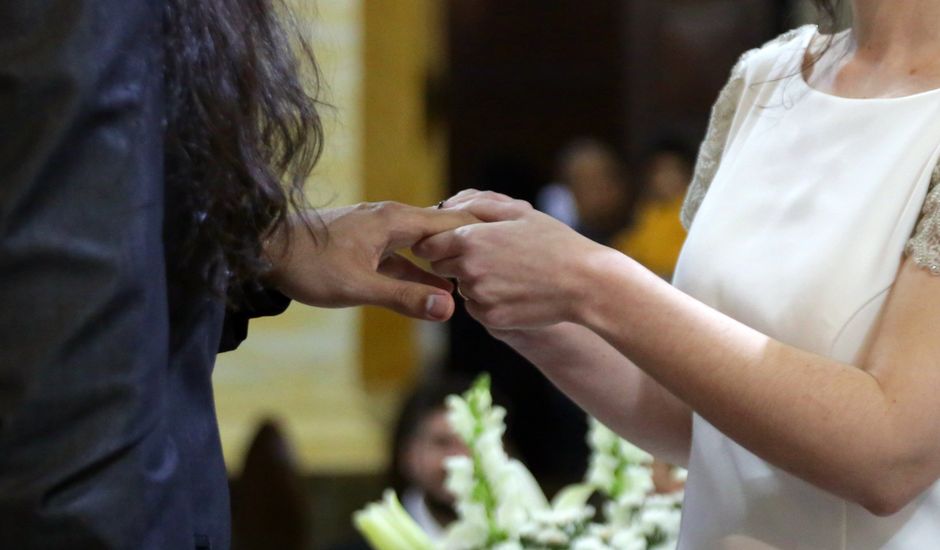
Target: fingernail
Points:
(437, 307)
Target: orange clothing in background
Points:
(656, 238)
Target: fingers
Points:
(471, 194)
(451, 268)
(473, 284)
(441, 246)
(492, 210)
(399, 267)
(416, 300)
(407, 225)
(455, 243)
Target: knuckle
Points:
(460, 272)
(387, 207)
(483, 295)
(496, 317)
(468, 274)
(467, 278)
(403, 295)
(465, 248)
(467, 217)
(423, 249)
(520, 207)
(383, 211)
(464, 207)
(474, 271)
(464, 236)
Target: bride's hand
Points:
(521, 270)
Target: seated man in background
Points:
(422, 441)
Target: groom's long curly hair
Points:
(242, 134)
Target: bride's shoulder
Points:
(779, 55)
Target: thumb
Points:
(407, 298)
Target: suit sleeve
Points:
(252, 302)
(83, 304)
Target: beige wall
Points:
(403, 158)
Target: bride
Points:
(794, 363)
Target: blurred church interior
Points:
(428, 97)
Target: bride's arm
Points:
(868, 433)
(595, 375)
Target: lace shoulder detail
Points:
(713, 147)
(924, 246)
(719, 126)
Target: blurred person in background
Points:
(422, 441)
(154, 155)
(656, 236)
(593, 193)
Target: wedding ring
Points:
(457, 284)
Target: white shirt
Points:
(417, 508)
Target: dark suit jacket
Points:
(108, 436)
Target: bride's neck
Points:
(897, 29)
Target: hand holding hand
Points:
(354, 262)
(523, 269)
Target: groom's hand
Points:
(522, 269)
(351, 259)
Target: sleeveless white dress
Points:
(804, 205)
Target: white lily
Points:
(460, 417)
(460, 477)
(387, 526)
(500, 505)
(628, 539)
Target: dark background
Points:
(525, 76)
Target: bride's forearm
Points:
(609, 387)
(827, 422)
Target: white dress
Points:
(804, 204)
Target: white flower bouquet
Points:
(500, 506)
